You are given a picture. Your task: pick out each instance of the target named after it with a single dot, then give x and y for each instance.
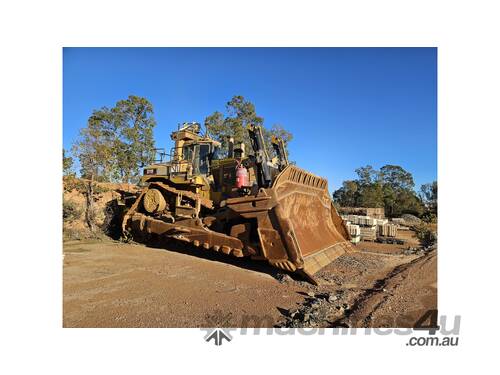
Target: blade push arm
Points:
(279, 148)
(261, 157)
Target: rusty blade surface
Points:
(319, 233)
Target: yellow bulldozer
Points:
(246, 205)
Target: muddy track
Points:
(366, 307)
(371, 285)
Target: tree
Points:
(399, 196)
(216, 127)
(113, 145)
(95, 146)
(95, 150)
(280, 132)
(429, 195)
(407, 202)
(371, 195)
(134, 144)
(240, 113)
(117, 141)
(428, 192)
(366, 175)
(348, 194)
(67, 164)
(397, 177)
(390, 187)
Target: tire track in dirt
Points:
(367, 309)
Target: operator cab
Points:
(198, 154)
(193, 152)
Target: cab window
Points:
(187, 152)
(204, 158)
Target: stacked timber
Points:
(387, 230)
(355, 232)
(368, 233)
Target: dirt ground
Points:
(112, 284)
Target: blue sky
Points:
(346, 107)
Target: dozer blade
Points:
(312, 231)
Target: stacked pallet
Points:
(370, 221)
(382, 221)
(387, 230)
(354, 232)
(377, 213)
(368, 233)
(360, 220)
(349, 218)
(368, 228)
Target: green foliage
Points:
(71, 211)
(371, 195)
(426, 235)
(67, 164)
(366, 175)
(348, 195)
(396, 177)
(429, 195)
(134, 145)
(117, 141)
(217, 127)
(429, 217)
(391, 187)
(94, 147)
(280, 132)
(240, 113)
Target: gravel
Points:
(317, 310)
